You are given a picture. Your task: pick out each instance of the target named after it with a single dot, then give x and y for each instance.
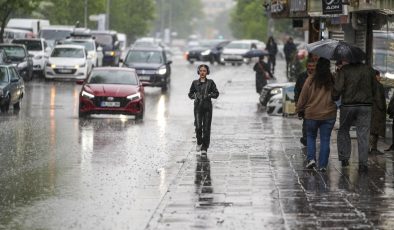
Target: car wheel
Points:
(212, 60)
(4, 108)
(140, 116)
(17, 106)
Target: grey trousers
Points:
(360, 116)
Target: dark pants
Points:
(272, 63)
(360, 116)
(288, 66)
(260, 82)
(203, 119)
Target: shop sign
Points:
(332, 6)
(278, 6)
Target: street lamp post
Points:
(86, 13)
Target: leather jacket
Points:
(202, 92)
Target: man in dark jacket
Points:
(290, 50)
(201, 91)
(272, 49)
(355, 84)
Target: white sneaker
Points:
(198, 148)
(311, 164)
(204, 152)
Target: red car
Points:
(112, 90)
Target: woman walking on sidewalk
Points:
(201, 91)
(319, 111)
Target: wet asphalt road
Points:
(112, 172)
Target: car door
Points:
(14, 84)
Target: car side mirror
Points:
(13, 80)
(80, 81)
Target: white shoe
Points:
(311, 164)
(203, 152)
(198, 148)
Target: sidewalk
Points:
(255, 177)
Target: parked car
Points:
(112, 90)
(68, 62)
(110, 45)
(12, 88)
(272, 89)
(36, 47)
(282, 103)
(19, 57)
(151, 64)
(232, 52)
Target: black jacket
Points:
(301, 78)
(202, 92)
(355, 84)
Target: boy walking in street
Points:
(201, 91)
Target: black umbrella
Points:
(255, 53)
(336, 50)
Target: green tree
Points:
(14, 7)
(132, 17)
(248, 20)
(68, 12)
(182, 17)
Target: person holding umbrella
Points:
(263, 73)
(319, 112)
(355, 84)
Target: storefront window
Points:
(383, 48)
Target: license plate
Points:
(65, 70)
(145, 78)
(110, 104)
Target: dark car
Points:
(110, 90)
(110, 45)
(12, 88)
(19, 57)
(206, 51)
(152, 65)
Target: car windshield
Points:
(54, 34)
(142, 56)
(31, 45)
(89, 45)
(104, 39)
(236, 45)
(3, 75)
(68, 53)
(14, 52)
(113, 77)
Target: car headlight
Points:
(111, 53)
(206, 52)
(135, 96)
(86, 94)
(162, 70)
(80, 66)
(276, 91)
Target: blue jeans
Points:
(325, 127)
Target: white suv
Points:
(234, 51)
(36, 47)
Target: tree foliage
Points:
(13, 7)
(180, 16)
(248, 20)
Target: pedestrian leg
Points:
(325, 137)
(311, 133)
(363, 123)
(198, 123)
(206, 138)
(346, 116)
